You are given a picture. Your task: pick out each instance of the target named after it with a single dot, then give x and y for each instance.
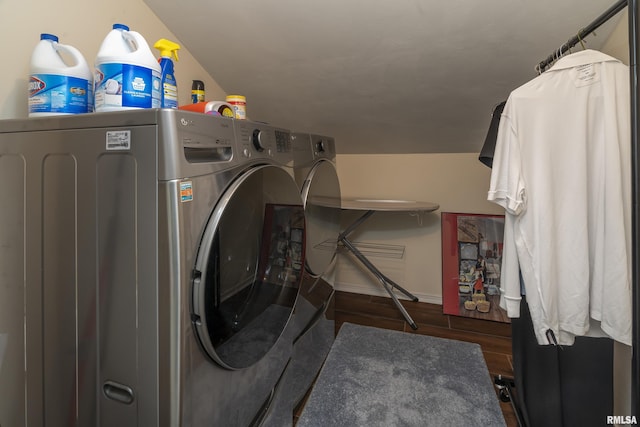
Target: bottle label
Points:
(51, 93)
(197, 96)
(169, 92)
(239, 104)
(126, 86)
(239, 110)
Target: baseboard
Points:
(379, 291)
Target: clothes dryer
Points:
(150, 261)
(315, 173)
(314, 319)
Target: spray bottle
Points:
(169, 95)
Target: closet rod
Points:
(582, 33)
(634, 54)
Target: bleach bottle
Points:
(61, 81)
(169, 87)
(127, 75)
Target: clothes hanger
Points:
(580, 39)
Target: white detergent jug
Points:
(61, 81)
(127, 74)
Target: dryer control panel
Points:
(323, 147)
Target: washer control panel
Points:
(261, 141)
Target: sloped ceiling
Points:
(381, 76)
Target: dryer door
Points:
(248, 267)
(321, 197)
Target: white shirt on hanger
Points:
(561, 170)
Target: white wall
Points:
(457, 182)
(84, 25)
(617, 45)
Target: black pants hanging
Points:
(561, 386)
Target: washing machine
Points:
(313, 322)
(149, 264)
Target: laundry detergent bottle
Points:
(169, 88)
(127, 74)
(60, 80)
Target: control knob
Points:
(258, 140)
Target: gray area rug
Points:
(378, 377)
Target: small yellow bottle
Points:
(197, 91)
(239, 104)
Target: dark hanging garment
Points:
(561, 386)
(486, 155)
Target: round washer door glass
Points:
(248, 267)
(321, 196)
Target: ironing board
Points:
(369, 207)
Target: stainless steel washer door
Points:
(321, 197)
(249, 267)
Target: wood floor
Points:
(495, 313)
(493, 337)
